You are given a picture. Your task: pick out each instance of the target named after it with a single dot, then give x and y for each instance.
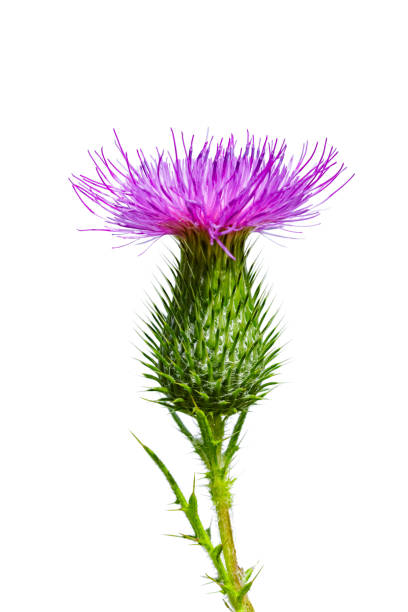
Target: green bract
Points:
(212, 340)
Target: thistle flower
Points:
(213, 345)
(256, 189)
(212, 342)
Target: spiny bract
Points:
(212, 341)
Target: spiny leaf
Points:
(182, 427)
(167, 474)
(243, 591)
(192, 503)
(183, 536)
(217, 551)
(233, 442)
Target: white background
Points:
(321, 499)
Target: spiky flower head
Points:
(212, 342)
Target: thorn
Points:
(136, 438)
(183, 536)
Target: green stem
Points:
(191, 511)
(220, 485)
(230, 554)
(232, 580)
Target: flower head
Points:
(221, 190)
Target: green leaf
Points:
(167, 474)
(217, 551)
(243, 591)
(192, 503)
(183, 536)
(233, 442)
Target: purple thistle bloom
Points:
(254, 189)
